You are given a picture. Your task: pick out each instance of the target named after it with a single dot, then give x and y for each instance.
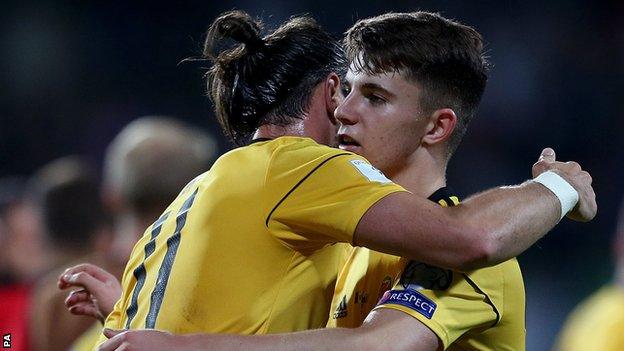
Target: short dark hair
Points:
(442, 55)
(67, 192)
(267, 80)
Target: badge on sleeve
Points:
(411, 299)
(371, 173)
(418, 275)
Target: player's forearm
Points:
(487, 229)
(509, 220)
(339, 339)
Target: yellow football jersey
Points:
(367, 275)
(249, 247)
(478, 310)
(87, 341)
(596, 324)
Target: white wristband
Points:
(567, 195)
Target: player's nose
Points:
(345, 112)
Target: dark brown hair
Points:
(266, 80)
(443, 56)
(67, 192)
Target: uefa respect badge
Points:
(411, 299)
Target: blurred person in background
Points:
(66, 193)
(23, 259)
(597, 323)
(14, 305)
(22, 234)
(145, 167)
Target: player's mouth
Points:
(347, 143)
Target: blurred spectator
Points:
(145, 167)
(23, 258)
(598, 322)
(22, 234)
(66, 193)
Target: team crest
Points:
(417, 275)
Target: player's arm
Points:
(384, 330)
(484, 230)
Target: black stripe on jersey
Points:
(266, 223)
(487, 298)
(444, 193)
(140, 273)
(165, 269)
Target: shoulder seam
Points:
(266, 222)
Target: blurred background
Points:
(74, 73)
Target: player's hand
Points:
(100, 290)
(579, 179)
(138, 340)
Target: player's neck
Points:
(316, 123)
(422, 174)
(271, 131)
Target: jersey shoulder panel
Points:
(318, 194)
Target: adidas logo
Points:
(341, 311)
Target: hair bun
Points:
(239, 26)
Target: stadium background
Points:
(75, 72)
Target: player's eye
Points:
(375, 99)
(345, 90)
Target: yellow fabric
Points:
(87, 340)
(367, 274)
(479, 310)
(365, 277)
(257, 250)
(596, 324)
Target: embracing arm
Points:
(383, 330)
(484, 230)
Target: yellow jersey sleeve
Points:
(446, 302)
(480, 310)
(325, 200)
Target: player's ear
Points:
(333, 96)
(441, 125)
